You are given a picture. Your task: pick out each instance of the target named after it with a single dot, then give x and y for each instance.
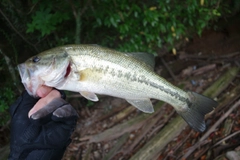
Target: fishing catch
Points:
(92, 69)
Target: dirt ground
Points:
(112, 129)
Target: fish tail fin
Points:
(198, 107)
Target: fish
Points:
(94, 70)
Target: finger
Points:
(49, 108)
(66, 115)
(44, 91)
(65, 111)
(44, 101)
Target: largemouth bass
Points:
(92, 69)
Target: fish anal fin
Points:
(144, 105)
(198, 107)
(89, 95)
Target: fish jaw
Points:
(29, 79)
(53, 75)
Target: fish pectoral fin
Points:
(144, 105)
(89, 95)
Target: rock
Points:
(96, 155)
(233, 155)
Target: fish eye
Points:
(36, 59)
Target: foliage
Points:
(147, 26)
(6, 93)
(8, 39)
(89, 103)
(6, 98)
(45, 22)
(128, 25)
(46, 19)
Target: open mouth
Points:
(30, 81)
(51, 75)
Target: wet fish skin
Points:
(92, 69)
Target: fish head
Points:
(48, 68)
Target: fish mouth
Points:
(29, 79)
(33, 77)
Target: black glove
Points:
(46, 134)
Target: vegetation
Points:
(128, 26)
(6, 97)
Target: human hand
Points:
(46, 134)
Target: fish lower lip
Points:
(30, 80)
(22, 69)
(25, 78)
(24, 74)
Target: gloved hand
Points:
(46, 134)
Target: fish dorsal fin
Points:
(147, 58)
(144, 105)
(95, 45)
(89, 95)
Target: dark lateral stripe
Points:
(168, 91)
(132, 76)
(176, 95)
